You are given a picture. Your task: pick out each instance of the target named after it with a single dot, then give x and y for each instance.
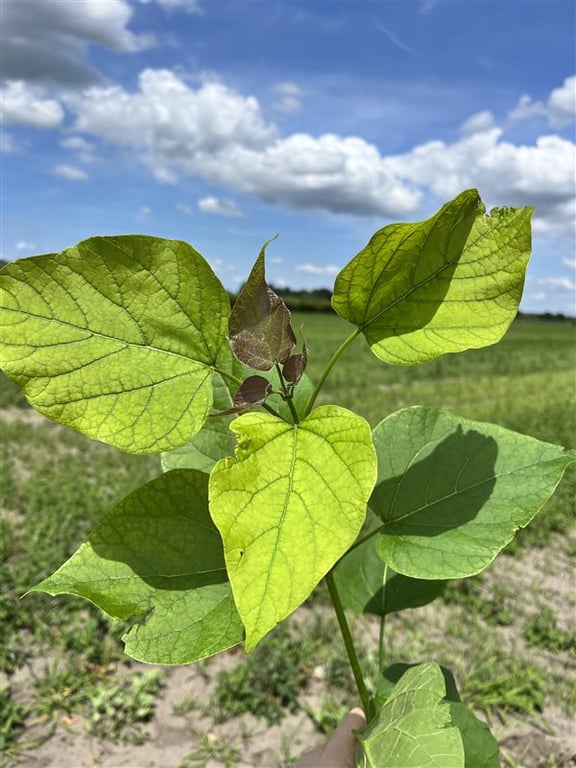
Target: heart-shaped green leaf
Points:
(288, 506)
(414, 728)
(156, 560)
(116, 338)
(450, 283)
(260, 330)
(452, 492)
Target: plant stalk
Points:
(329, 367)
(349, 644)
(381, 654)
(287, 395)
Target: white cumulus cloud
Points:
(540, 175)
(211, 131)
(26, 105)
(216, 133)
(219, 207)
(316, 269)
(562, 104)
(70, 172)
(559, 109)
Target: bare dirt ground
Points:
(545, 740)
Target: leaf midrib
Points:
(424, 282)
(492, 478)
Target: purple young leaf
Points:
(253, 391)
(295, 366)
(260, 330)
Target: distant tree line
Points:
(317, 300)
(554, 317)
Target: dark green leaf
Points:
(260, 330)
(453, 492)
(480, 746)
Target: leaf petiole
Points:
(287, 395)
(349, 644)
(381, 655)
(333, 360)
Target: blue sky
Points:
(223, 123)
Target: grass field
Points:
(509, 634)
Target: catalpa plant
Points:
(131, 341)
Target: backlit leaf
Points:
(451, 492)
(156, 560)
(260, 330)
(288, 506)
(116, 338)
(450, 283)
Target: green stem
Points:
(364, 539)
(381, 655)
(271, 410)
(287, 395)
(348, 642)
(229, 376)
(329, 367)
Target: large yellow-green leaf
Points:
(450, 283)
(116, 338)
(156, 560)
(288, 506)
(451, 492)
